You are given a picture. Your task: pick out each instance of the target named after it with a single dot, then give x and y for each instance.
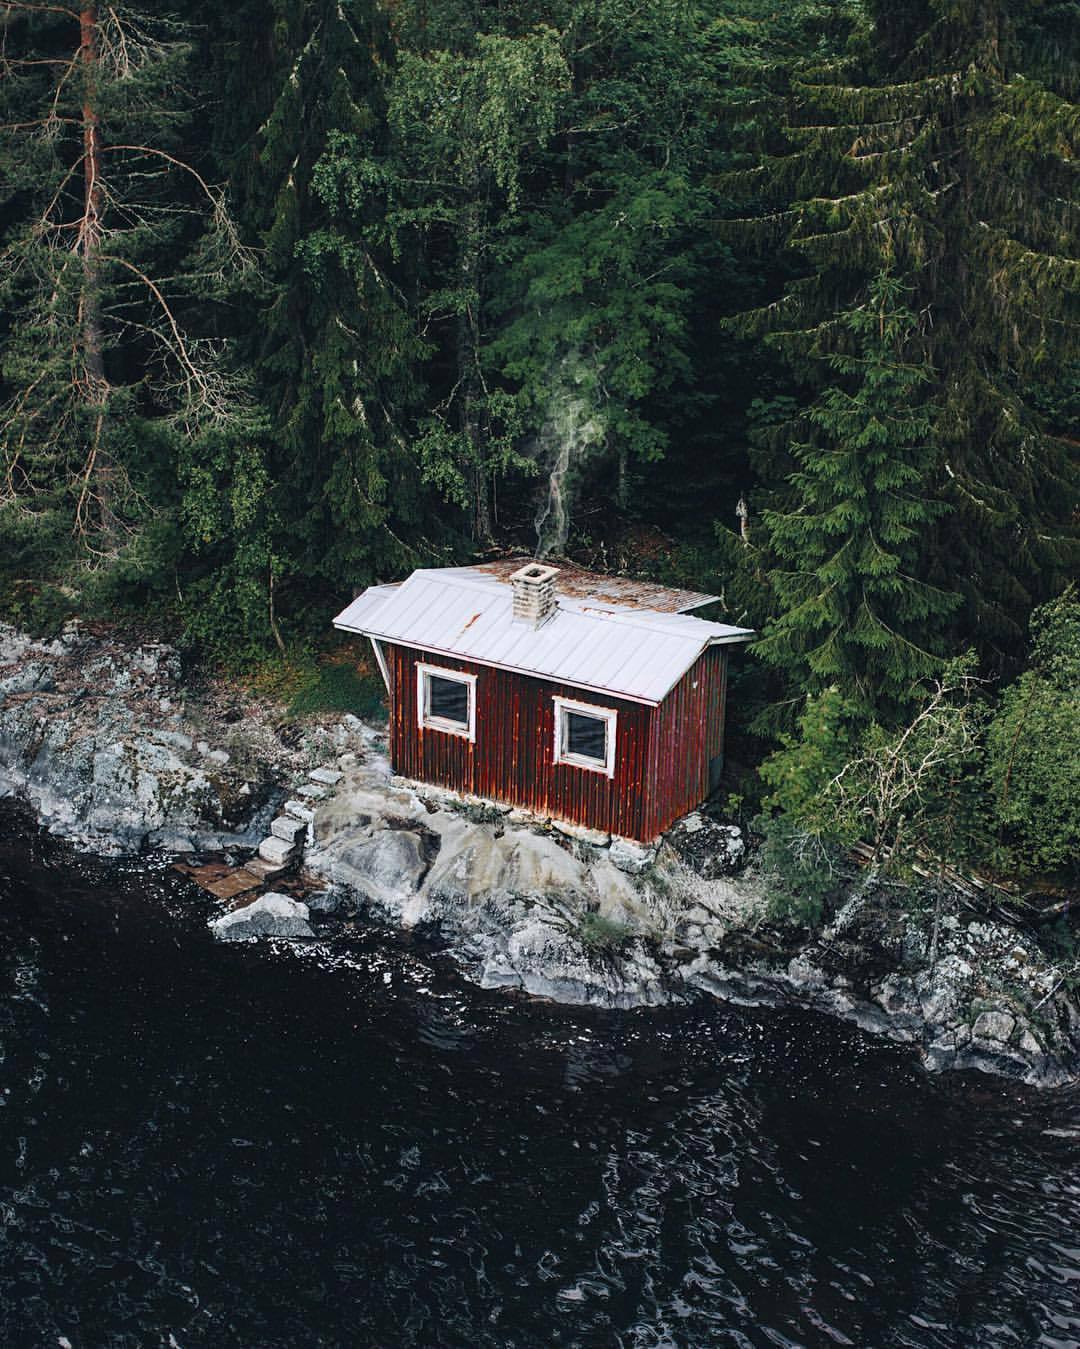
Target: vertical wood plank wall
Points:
(687, 733)
(661, 757)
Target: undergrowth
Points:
(309, 683)
(603, 935)
(804, 875)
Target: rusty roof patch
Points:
(621, 592)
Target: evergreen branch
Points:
(1017, 252)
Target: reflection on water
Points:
(213, 1146)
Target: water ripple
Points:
(341, 1144)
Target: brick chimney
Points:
(534, 594)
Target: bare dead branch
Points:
(22, 6)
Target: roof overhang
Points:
(735, 639)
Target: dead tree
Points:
(92, 272)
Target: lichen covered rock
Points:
(88, 736)
(711, 849)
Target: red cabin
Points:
(593, 699)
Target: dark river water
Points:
(206, 1145)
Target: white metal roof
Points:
(633, 653)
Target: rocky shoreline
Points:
(113, 749)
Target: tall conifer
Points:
(943, 150)
(854, 609)
(330, 340)
(114, 247)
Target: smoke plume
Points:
(573, 428)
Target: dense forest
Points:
(779, 301)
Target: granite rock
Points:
(273, 915)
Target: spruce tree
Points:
(854, 609)
(330, 341)
(943, 150)
(338, 348)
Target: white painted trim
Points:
(429, 723)
(380, 661)
(605, 714)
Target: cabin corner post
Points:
(380, 660)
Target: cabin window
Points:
(585, 736)
(446, 700)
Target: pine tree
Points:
(115, 246)
(855, 611)
(942, 150)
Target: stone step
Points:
(290, 829)
(299, 810)
(277, 851)
(312, 791)
(328, 777)
(264, 871)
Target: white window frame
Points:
(424, 718)
(606, 714)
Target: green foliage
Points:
(368, 286)
(904, 791)
(1062, 941)
(336, 349)
(804, 874)
(851, 609)
(334, 686)
(601, 935)
(40, 609)
(464, 107)
(1034, 747)
(471, 111)
(941, 150)
(607, 282)
(116, 255)
(809, 759)
(310, 683)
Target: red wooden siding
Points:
(687, 733)
(661, 754)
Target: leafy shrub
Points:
(1034, 747)
(804, 873)
(900, 790)
(801, 769)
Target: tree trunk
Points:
(98, 478)
(468, 357)
(622, 480)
